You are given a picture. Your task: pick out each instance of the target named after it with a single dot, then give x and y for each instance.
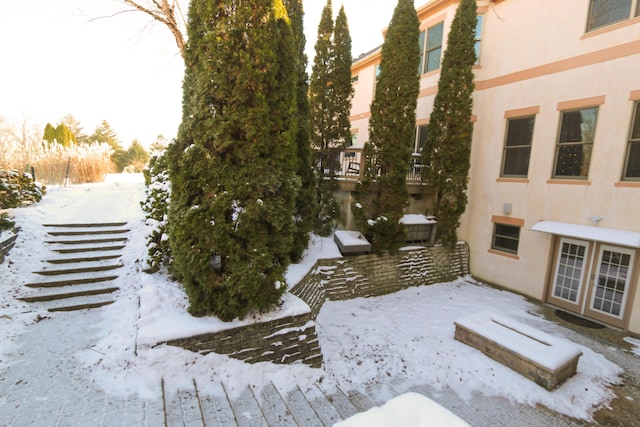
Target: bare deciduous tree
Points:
(167, 12)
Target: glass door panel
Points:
(570, 267)
(611, 283)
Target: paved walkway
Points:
(45, 386)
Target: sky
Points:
(82, 57)
(411, 347)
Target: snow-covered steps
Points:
(316, 404)
(81, 273)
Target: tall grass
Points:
(54, 164)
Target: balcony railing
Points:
(352, 166)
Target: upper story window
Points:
(431, 48)
(421, 138)
(517, 147)
(478, 38)
(575, 143)
(606, 12)
(632, 161)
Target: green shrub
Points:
(18, 189)
(156, 206)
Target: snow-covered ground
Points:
(406, 337)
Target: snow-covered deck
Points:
(543, 358)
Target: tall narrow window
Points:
(431, 47)
(632, 162)
(517, 147)
(606, 12)
(421, 138)
(478, 38)
(575, 143)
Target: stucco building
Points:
(554, 186)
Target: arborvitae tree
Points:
(136, 156)
(382, 195)
(447, 149)
(60, 134)
(49, 133)
(306, 203)
(341, 79)
(324, 138)
(234, 187)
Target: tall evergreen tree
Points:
(324, 138)
(104, 133)
(233, 164)
(76, 128)
(382, 195)
(342, 89)
(306, 203)
(448, 146)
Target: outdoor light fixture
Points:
(595, 219)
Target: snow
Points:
(415, 219)
(409, 409)
(351, 238)
(404, 338)
(537, 346)
(636, 344)
(590, 232)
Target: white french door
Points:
(592, 279)
(571, 264)
(612, 282)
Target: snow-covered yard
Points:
(404, 338)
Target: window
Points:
(421, 138)
(632, 162)
(478, 38)
(575, 143)
(431, 48)
(517, 148)
(505, 238)
(606, 12)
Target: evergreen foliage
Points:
(61, 135)
(341, 79)
(156, 207)
(105, 134)
(233, 165)
(18, 189)
(325, 134)
(76, 129)
(448, 146)
(306, 202)
(382, 194)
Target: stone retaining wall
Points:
(294, 338)
(6, 245)
(375, 275)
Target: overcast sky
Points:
(73, 57)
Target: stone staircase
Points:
(81, 273)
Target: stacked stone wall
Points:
(294, 339)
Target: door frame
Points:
(601, 316)
(582, 308)
(578, 306)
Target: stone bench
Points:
(544, 359)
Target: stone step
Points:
(77, 292)
(89, 249)
(88, 225)
(87, 232)
(182, 407)
(275, 410)
(86, 241)
(68, 282)
(215, 407)
(92, 269)
(80, 303)
(82, 259)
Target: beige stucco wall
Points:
(536, 54)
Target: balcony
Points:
(352, 170)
